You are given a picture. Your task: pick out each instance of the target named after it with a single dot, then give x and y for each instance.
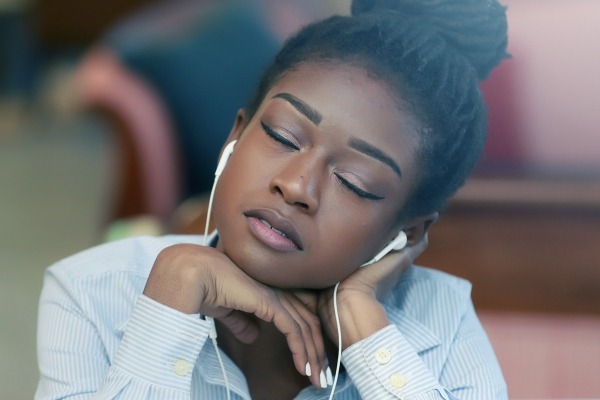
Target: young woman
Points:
(359, 132)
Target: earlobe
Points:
(419, 227)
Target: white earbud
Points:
(213, 331)
(400, 242)
(397, 244)
(225, 157)
(220, 167)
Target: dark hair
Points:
(431, 54)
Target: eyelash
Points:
(278, 138)
(358, 191)
(346, 184)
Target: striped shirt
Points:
(99, 337)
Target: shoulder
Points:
(427, 279)
(104, 282)
(94, 292)
(132, 256)
(430, 296)
(424, 276)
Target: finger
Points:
(326, 314)
(228, 288)
(269, 308)
(263, 302)
(309, 298)
(408, 254)
(310, 326)
(420, 246)
(387, 269)
(398, 261)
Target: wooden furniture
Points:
(72, 23)
(526, 244)
(531, 248)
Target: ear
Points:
(239, 124)
(419, 227)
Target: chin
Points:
(280, 277)
(287, 272)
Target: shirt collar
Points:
(213, 238)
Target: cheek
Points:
(250, 167)
(238, 178)
(347, 243)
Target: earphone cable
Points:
(209, 211)
(222, 364)
(213, 331)
(339, 333)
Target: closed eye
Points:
(358, 191)
(278, 138)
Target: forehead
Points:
(353, 103)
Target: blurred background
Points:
(101, 103)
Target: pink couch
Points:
(547, 356)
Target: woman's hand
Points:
(360, 311)
(198, 279)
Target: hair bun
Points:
(475, 28)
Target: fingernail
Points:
(329, 376)
(307, 370)
(323, 380)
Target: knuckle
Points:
(268, 297)
(315, 322)
(179, 262)
(304, 326)
(296, 328)
(267, 305)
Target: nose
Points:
(297, 182)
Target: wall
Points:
(556, 56)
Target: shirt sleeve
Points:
(157, 355)
(154, 360)
(385, 366)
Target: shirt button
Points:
(398, 380)
(383, 356)
(181, 367)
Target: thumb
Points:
(403, 258)
(394, 264)
(242, 325)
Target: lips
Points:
(274, 230)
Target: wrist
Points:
(360, 317)
(177, 278)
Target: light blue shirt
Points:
(100, 337)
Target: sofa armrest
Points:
(148, 169)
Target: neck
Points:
(267, 363)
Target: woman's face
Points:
(317, 178)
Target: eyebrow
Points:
(313, 115)
(372, 151)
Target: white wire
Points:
(339, 333)
(214, 341)
(210, 201)
(214, 336)
(213, 332)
